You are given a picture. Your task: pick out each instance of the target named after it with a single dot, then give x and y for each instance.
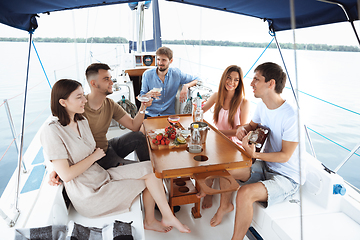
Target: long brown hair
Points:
(62, 90)
(222, 92)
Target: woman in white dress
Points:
(94, 191)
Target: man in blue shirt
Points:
(169, 80)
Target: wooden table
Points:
(222, 154)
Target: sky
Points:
(178, 22)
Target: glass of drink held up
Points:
(156, 90)
(143, 98)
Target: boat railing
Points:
(14, 134)
(347, 158)
(13, 131)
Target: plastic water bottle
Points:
(195, 144)
(198, 114)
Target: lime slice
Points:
(181, 139)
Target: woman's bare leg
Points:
(156, 190)
(150, 222)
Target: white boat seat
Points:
(324, 215)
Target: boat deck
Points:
(200, 228)
(324, 215)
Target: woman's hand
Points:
(54, 179)
(98, 153)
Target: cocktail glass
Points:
(143, 98)
(157, 90)
(186, 133)
(173, 119)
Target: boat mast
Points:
(140, 24)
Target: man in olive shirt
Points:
(99, 110)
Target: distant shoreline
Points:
(300, 46)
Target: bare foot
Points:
(176, 223)
(207, 202)
(216, 220)
(156, 226)
(200, 194)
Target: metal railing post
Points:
(310, 142)
(13, 131)
(347, 158)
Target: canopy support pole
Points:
(296, 94)
(20, 157)
(356, 34)
(346, 15)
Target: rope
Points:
(42, 66)
(20, 93)
(19, 133)
(327, 102)
(259, 56)
(332, 141)
(7, 149)
(129, 107)
(188, 106)
(287, 73)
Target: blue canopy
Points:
(21, 14)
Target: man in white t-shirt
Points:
(275, 175)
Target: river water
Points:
(328, 85)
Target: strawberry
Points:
(173, 136)
(159, 137)
(167, 141)
(163, 142)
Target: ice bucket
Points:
(203, 129)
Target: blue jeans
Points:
(120, 147)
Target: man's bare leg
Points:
(246, 196)
(208, 199)
(226, 205)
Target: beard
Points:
(107, 92)
(162, 69)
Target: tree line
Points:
(299, 46)
(69, 40)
